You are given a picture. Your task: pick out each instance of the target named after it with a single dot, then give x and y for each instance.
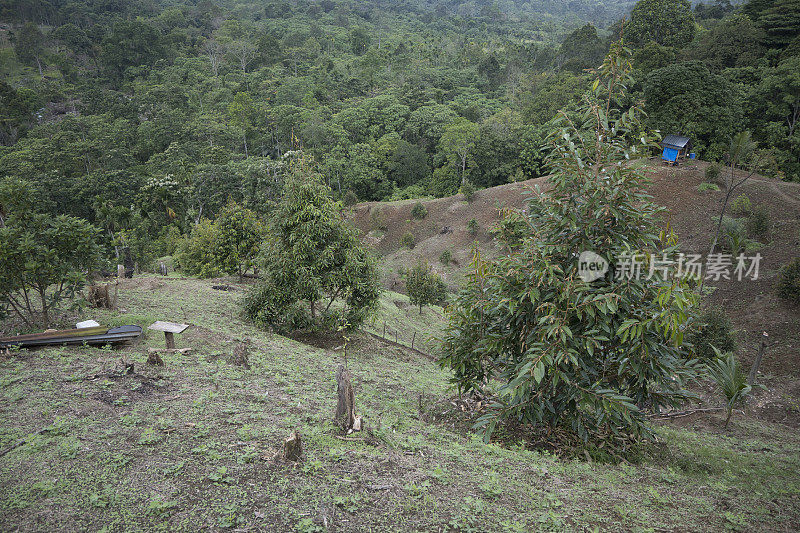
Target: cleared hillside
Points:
(752, 305)
(190, 446)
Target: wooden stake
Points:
(751, 379)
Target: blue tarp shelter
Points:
(670, 154)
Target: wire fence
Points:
(408, 338)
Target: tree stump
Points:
(99, 298)
(241, 355)
(293, 447)
(153, 358)
(345, 407)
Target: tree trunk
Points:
(45, 312)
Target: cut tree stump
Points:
(99, 298)
(293, 447)
(241, 355)
(153, 358)
(345, 407)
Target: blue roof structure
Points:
(676, 141)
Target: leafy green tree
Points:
(16, 109)
(407, 164)
(311, 260)
(734, 42)
(424, 286)
(652, 56)
(667, 22)
(241, 112)
(427, 123)
(573, 355)
(195, 254)
(688, 98)
(29, 46)
(131, 43)
(361, 173)
(497, 149)
(581, 49)
(781, 22)
(532, 152)
(788, 284)
(458, 142)
(490, 69)
(44, 259)
(776, 114)
(359, 40)
(237, 239)
(546, 93)
(712, 329)
(717, 10)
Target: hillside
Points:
(752, 305)
(190, 445)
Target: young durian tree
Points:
(573, 357)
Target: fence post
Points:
(751, 379)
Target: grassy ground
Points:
(190, 445)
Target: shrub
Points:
(237, 240)
(468, 190)
(713, 329)
(758, 223)
(446, 257)
(727, 373)
(44, 260)
(407, 240)
(741, 205)
(472, 227)
(713, 174)
(377, 219)
(707, 187)
(349, 198)
(424, 286)
(734, 235)
(410, 192)
(312, 260)
(419, 211)
(195, 253)
(788, 286)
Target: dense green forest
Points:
(146, 117)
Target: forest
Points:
(144, 118)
